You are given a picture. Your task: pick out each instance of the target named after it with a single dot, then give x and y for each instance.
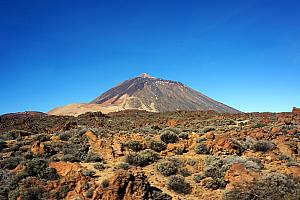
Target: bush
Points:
(93, 158)
(184, 135)
(262, 145)
(65, 136)
(258, 125)
(208, 129)
(178, 184)
(41, 137)
(123, 166)
(166, 168)
(70, 158)
(2, 145)
(179, 150)
(134, 145)
(184, 172)
(158, 146)
(33, 193)
(214, 167)
(100, 166)
(169, 137)
(270, 186)
(201, 149)
(105, 183)
(142, 158)
(10, 163)
(89, 173)
(215, 183)
(39, 168)
(198, 177)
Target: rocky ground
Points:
(141, 155)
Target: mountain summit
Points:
(146, 92)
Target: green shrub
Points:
(215, 183)
(258, 125)
(123, 166)
(41, 137)
(33, 193)
(262, 145)
(184, 135)
(198, 177)
(2, 145)
(158, 146)
(70, 158)
(134, 145)
(178, 184)
(105, 183)
(268, 187)
(169, 137)
(142, 158)
(93, 158)
(65, 136)
(10, 163)
(208, 129)
(179, 150)
(184, 172)
(214, 167)
(201, 149)
(166, 168)
(39, 168)
(89, 173)
(100, 166)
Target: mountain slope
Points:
(154, 94)
(147, 93)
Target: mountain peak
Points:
(145, 75)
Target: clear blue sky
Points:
(244, 53)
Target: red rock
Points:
(237, 174)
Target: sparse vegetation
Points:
(169, 137)
(157, 146)
(142, 158)
(167, 168)
(178, 184)
(201, 149)
(134, 145)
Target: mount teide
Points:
(147, 93)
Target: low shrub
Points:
(179, 150)
(124, 166)
(208, 129)
(89, 173)
(166, 168)
(198, 177)
(70, 158)
(142, 158)
(100, 166)
(184, 172)
(169, 137)
(2, 145)
(270, 186)
(41, 137)
(215, 183)
(39, 168)
(10, 163)
(105, 183)
(183, 135)
(158, 146)
(202, 149)
(258, 125)
(65, 136)
(134, 145)
(178, 184)
(262, 145)
(93, 158)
